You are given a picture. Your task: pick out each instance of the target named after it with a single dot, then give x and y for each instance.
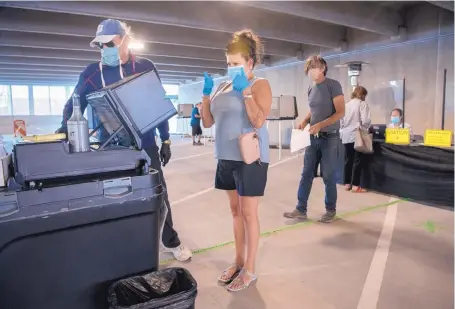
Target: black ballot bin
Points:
(62, 247)
(171, 288)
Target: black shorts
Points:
(247, 179)
(196, 130)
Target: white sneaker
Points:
(181, 253)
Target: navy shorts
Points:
(247, 179)
(196, 130)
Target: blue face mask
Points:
(232, 72)
(395, 119)
(110, 56)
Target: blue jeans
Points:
(327, 149)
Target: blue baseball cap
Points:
(107, 30)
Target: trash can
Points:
(63, 247)
(171, 288)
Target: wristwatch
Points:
(168, 142)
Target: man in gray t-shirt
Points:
(326, 101)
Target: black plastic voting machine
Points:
(72, 223)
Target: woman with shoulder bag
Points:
(239, 109)
(357, 118)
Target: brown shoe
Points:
(296, 214)
(328, 217)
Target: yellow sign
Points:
(397, 136)
(438, 138)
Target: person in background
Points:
(112, 39)
(238, 107)
(357, 114)
(196, 124)
(326, 101)
(396, 121)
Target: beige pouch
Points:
(249, 147)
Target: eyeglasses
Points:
(108, 44)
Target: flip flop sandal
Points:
(226, 271)
(240, 283)
(359, 190)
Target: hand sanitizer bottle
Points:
(78, 128)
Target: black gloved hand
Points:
(165, 153)
(61, 130)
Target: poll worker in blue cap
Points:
(117, 61)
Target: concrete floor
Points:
(386, 257)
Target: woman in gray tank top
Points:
(239, 106)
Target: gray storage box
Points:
(62, 247)
(185, 110)
(283, 108)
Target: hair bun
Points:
(255, 46)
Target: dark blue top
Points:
(194, 120)
(90, 81)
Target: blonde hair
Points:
(248, 44)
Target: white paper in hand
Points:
(300, 139)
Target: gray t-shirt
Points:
(320, 99)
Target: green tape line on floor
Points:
(293, 226)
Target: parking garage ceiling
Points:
(48, 42)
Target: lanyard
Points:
(120, 68)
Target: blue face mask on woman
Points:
(110, 56)
(232, 72)
(395, 119)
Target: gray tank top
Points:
(231, 121)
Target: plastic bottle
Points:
(78, 128)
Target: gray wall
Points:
(421, 60)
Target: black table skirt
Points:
(420, 173)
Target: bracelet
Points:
(248, 96)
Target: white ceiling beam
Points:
(38, 40)
(448, 5)
(212, 16)
(93, 57)
(13, 73)
(48, 80)
(38, 65)
(43, 62)
(32, 21)
(361, 15)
